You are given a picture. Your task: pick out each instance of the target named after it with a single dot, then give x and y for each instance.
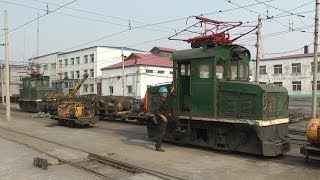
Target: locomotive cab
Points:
(218, 107)
(32, 91)
(197, 77)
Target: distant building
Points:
(295, 72)
(73, 64)
(16, 73)
(140, 70)
(162, 51)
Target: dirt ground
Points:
(129, 143)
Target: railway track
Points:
(104, 160)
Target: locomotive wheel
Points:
(72, 124)
(60, 122)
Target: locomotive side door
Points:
(202, 87)
(183, 85)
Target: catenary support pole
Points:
(122, 58)
(258, 50)
(2, 87)
(315, 63)
(6, 55)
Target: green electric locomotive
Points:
(33, 89)
(217, 105)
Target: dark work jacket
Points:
(162, 107)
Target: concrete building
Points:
(140, 70)
(162, 51)
(74, 64)
(16, 73)
(295, 72)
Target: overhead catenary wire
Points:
(33, 20)
(285, 11)
(286, 52)
(79, 17)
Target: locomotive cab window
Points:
(185, 69)
(233, 69)
(220, 69)
(33, 83)
(204, 69)
(243, 71)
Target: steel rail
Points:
(121, 164)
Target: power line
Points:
(285, 11)
(97, 14)
(77, 16)
(285, 52)
(60, 7)
(297, 8)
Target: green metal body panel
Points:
(219, 107)
(33, 89)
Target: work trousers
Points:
(162, 128)
(161, 132)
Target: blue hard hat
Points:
(163, 90)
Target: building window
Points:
(91, 73)
(171, 72)
(65, 74)
(278, 69)
(149, 71)
(160, 72)
(318, 85)
(111, 89)
(85, 58)
(92, 57)
(129, 88)
(312, 66)
(85, 87)
(263, 69)
(85, 71)
(204, 69)
(72, 74)
(78, 60)
(53, 66)
(278, 83)
(296, 67)
(45, 67)
(91, 88)
(77, 74)
(60, 63)
(72, 61)
(296, 85)
(66, 62)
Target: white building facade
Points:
(140, 72)
(74, 64)
(16, 73)
(295, 72)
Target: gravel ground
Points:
(129, 143)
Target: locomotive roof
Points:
(201, 52)
(34, 77)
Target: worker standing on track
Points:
(163, 115)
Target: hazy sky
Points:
(91, 20)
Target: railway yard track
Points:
(297, 138)
(94, 157)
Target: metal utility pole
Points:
(2, 79)
(258, 50)
(6, 55)
(38, 39)
(122, 58)
(315, 63)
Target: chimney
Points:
(306, 49)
